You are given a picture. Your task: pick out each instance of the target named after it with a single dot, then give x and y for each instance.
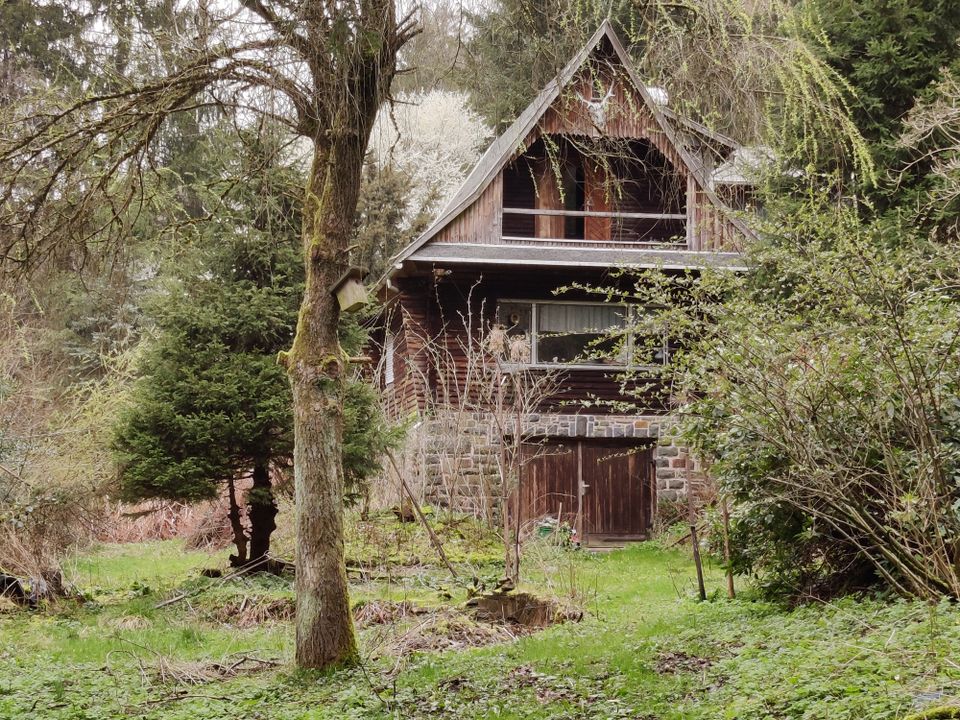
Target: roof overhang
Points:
(505, 256)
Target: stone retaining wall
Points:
(457, 454)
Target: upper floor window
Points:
(579, 334)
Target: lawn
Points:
(644, 649)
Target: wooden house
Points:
(597, 173)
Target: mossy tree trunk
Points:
(351, 78)
(317, 368)
(326, 68)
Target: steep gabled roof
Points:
(502, 150)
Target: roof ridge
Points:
(501, 149)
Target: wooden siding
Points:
(533, 184)
(480, 222)
(408, 320)
(443, 311)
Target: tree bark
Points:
(316, 365)
(345, 97)
(262, 511)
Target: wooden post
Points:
(731, 592)
(580, 538)
(518, 464)
(694, 539)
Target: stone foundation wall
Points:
(458, 454)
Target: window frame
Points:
(630, 308)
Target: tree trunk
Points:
(239, 536)
(262, 511)
(346, 95)
(316, 365)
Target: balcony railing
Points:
(625, 227)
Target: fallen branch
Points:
(685, 537)
(435, 541)
(265, 560)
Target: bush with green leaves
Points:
(823, 388)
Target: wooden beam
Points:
(619, 243)
(594, 214)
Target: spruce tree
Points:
(212, 405)
(891, 52)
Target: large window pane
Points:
(582, 334)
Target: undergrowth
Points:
(645, 648)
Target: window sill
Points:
(510, 367)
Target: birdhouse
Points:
(349, 289)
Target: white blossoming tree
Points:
(432, 138)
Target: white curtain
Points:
(559, 318)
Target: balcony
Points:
(579, 193)
(592, 226)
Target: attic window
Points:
(580, 334)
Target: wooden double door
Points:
(606, 489)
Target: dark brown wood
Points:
(602, 488)
(617, 501)
(597, 192)
(595, 214)
(549, 483)
(438, 309)
(580, 491)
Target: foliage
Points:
(213, 401)
(432, 138)
(432, 59)
(384, 224)
(752, 70)
(755, 71)
(54, 465)
(822, 390)
(932, 139)
(890, 53)
(421, 147)
(516, 47)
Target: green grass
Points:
(645, 648)
(152, 564)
